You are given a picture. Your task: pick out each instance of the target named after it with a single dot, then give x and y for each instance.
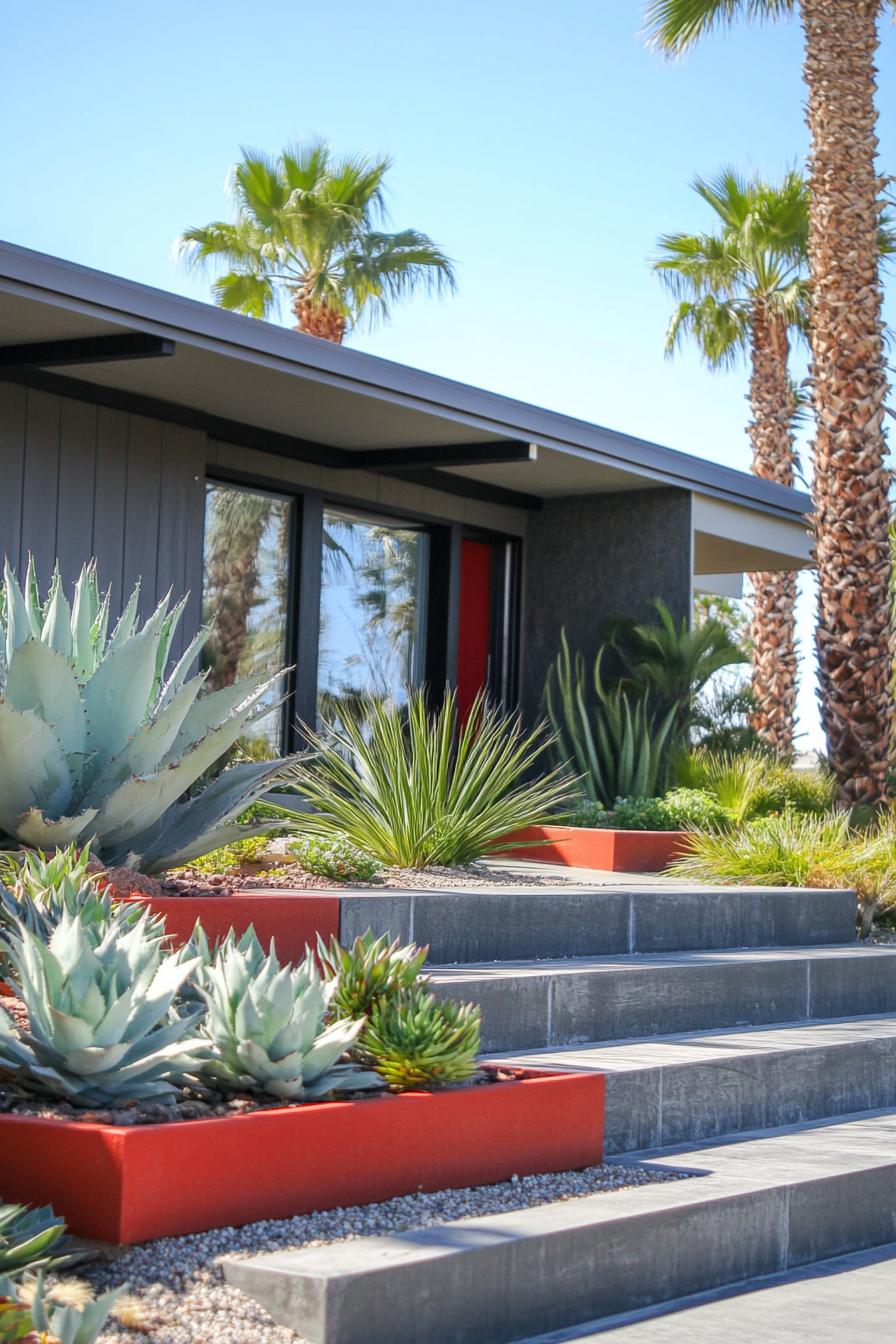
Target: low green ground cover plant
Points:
(415, 788)
(334, 857)
(109, 743)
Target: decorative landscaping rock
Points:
(128, 1184)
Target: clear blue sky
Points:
(539, 143)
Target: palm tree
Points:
(305, 222)
(742, 291)
(849, 383)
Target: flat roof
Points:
(240, 371)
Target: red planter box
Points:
(294, 919)
(596, 847)
(128, 1184)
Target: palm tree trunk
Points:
(318, 319)
(849, 388)
(773, 623)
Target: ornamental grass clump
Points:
(266, 1031)
(416, 789)
(107, 742)
(778, 851)
(418, 1041)
(100, 997)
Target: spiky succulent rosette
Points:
(103, 1027)
(417, 1040)
(265, 1028)
(371, 969)
(29, 1237)
(105, 742)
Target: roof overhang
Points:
(264, 385)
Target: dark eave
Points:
(486, 434)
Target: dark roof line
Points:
(121, 301)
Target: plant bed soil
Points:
(612, 850)
(125, 1184)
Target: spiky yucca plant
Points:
(370, 970)
(265, 1030)
(100, 998)
(105, 741)
(417, 1040)
(416, 788)
(29, 1238)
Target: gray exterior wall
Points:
(595, 557)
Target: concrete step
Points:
(527, 1005)
(507, 924)
(760, 1206)
(850, 1298)
(700, 1086)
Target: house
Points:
(368, 523)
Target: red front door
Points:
(474, 638)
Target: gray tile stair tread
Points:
(703, 1046)
(852, 1297)
(753, 1162)
(657, 960)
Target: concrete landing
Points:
(766, 1204)
(850, 1300)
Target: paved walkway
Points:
(591, 877)
(851, 1300)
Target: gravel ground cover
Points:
(177, 1292)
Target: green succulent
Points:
(370, 970)
(27, 1311)
(29, 1238)
(45, 887)
(105, 743)
(417, 1040)
(100, 999)
(265, 1030)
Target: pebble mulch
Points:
(176, 1284)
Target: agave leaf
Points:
(216, 708)
(18, 624)
(57, 627)
(33, 828)
(38, 773)
(126, 623)
(41, 678)
(182, 667)
(85, 611)
(148, 747)
(117, 695)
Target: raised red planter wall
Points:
(598, 847)
(294, 919)
(128, 1184)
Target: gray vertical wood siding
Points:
(78, 480)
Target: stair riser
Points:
(677, 1104)
(514, 1287)
(526, 1012)
(501, 925)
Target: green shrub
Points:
(809, 791)
(106, 742)
(694, 809)
(680, 810)
(587, 812)
(228, 857)
(753, 784)
(414, 789)
(334, 857)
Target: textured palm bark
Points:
(773, 622)
(849, 387)
(318, 319)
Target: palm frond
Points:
(673, 26)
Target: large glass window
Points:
(372, 608)
(245, 595)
